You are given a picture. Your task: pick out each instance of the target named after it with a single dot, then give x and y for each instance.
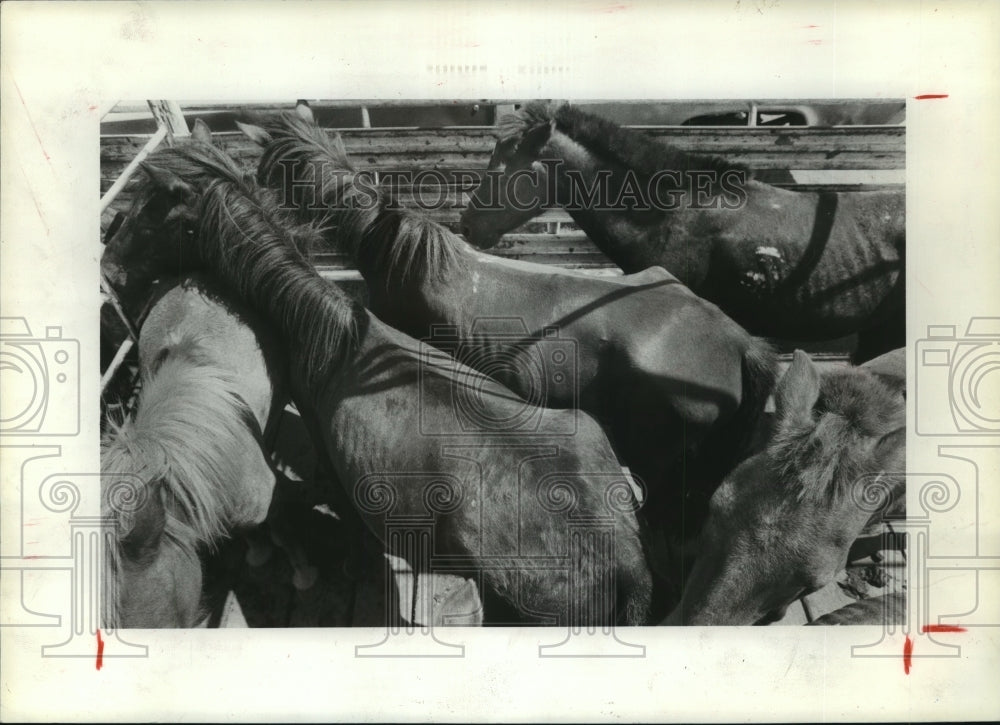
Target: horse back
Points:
(408, 441)
(806, 265)
(193, 313)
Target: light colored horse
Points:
(782, 523)
(188, 469)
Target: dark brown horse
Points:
(782, 523)
(664, 370)
(786, 264)
(531, 500)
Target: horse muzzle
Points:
(478, 238)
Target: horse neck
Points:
(677, 235)
(415, 304)
(619, 233)
(412, 296)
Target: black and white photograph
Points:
(532, 347)
(554, 330)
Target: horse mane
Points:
(825, 454)
(302, 155)
(402, 241)
(199, 165)
(632, 149)
(529, 116)
(406, 244)
(190, 427)
(244, 237)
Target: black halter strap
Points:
(826, 212)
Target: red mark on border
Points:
(927, 628)
(100, 650)
(30, 122)
(930, 96)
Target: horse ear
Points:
(254, 133)
(201, 132)
(338, 143)
(535, 138)
(890, 451)
(304, 111)
(798, 390)
(148, 524)
(168, 181)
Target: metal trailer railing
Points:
(170, 125)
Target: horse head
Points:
(154, 580)
(782, 522)
(157, 233)
(514, 186)
(178, 477)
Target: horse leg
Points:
(304, 573)
(658, 522)
(461, 606)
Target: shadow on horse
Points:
(677, 384)
(516, 504)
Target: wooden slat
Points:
(448, 215)
(346, 278)
(168, 115)
(508, 104)
(571, 248)
(852, 148)
(717, 140)
(115, 187)
(844, 147)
